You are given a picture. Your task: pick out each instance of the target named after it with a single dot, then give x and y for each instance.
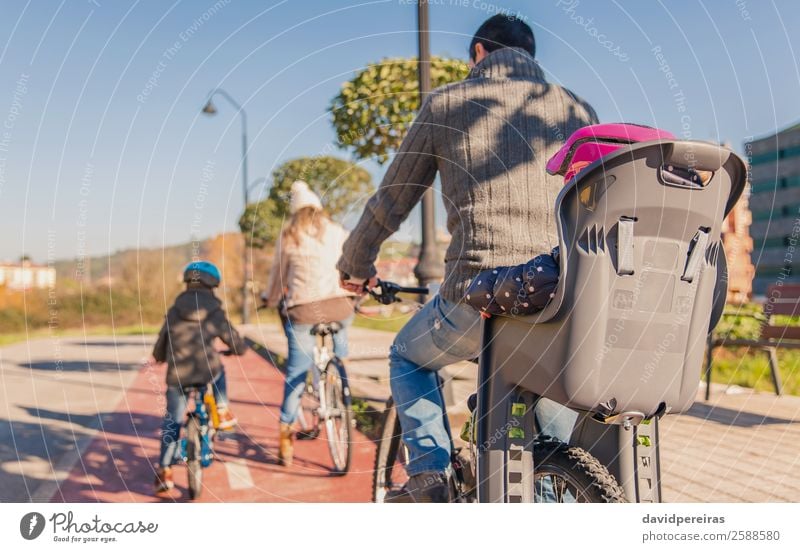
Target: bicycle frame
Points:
(322, 357)
(201, 413)
(505, 458)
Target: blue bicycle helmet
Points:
(203, 272)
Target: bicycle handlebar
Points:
(389, 290)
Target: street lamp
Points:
(428, 269)
(211, 109)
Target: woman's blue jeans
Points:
(177, 399)
(301, 359)
(443, 333)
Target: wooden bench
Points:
(781, 300)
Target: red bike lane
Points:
(117, 464)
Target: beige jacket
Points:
(306, 273)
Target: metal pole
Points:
(428, 269)
(209, 109)
(246, 257)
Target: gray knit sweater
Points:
(489, 137)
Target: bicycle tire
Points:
(193, 448)
(338, 427)
(391, 456)
(385, 476)
(591, 480)
(308, 413)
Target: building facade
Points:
(775, 207)
(26, 275)
(738, 251)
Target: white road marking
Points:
(238, 474)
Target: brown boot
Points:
(286, 448)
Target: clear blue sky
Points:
(93, 158)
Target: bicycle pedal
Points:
(307, 435)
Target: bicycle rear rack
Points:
(506, 435)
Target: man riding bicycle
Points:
(489, 138)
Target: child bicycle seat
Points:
(593, 142)
(640, 252)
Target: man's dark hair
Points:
(503, 31)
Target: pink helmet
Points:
(593, 142)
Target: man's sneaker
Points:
(423, 487)
(227, 421)
(163, 482)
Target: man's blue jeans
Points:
(300, 361)
(177, 399)
(440, 334)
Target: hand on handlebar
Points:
(386, 292)
(359, 286)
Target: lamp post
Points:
(428, 269)
(211, 109)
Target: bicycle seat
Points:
(640, 276)
(326, 328)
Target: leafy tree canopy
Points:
(373, 110)
(340, 184)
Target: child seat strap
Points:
(696, 249)
(625, 246)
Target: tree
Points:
(340, 184)
(373, 110)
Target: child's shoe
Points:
(227, 421)
(163, 481)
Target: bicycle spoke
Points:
(559, 486)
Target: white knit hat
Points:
(302, 196)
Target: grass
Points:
(750, 368)
(392, 324)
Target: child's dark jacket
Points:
(186, 340)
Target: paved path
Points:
(79, 421)
(739, 447)
(54, 395)
(99, 424)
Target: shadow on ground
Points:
(79, 366)
(731, 417)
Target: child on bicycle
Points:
(186, 343)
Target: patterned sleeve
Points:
(516, 290)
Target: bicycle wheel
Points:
(193, 451)
(563, 473)
(338, 415)
(308, 411)
(390, 458)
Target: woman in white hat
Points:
(304, 282)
